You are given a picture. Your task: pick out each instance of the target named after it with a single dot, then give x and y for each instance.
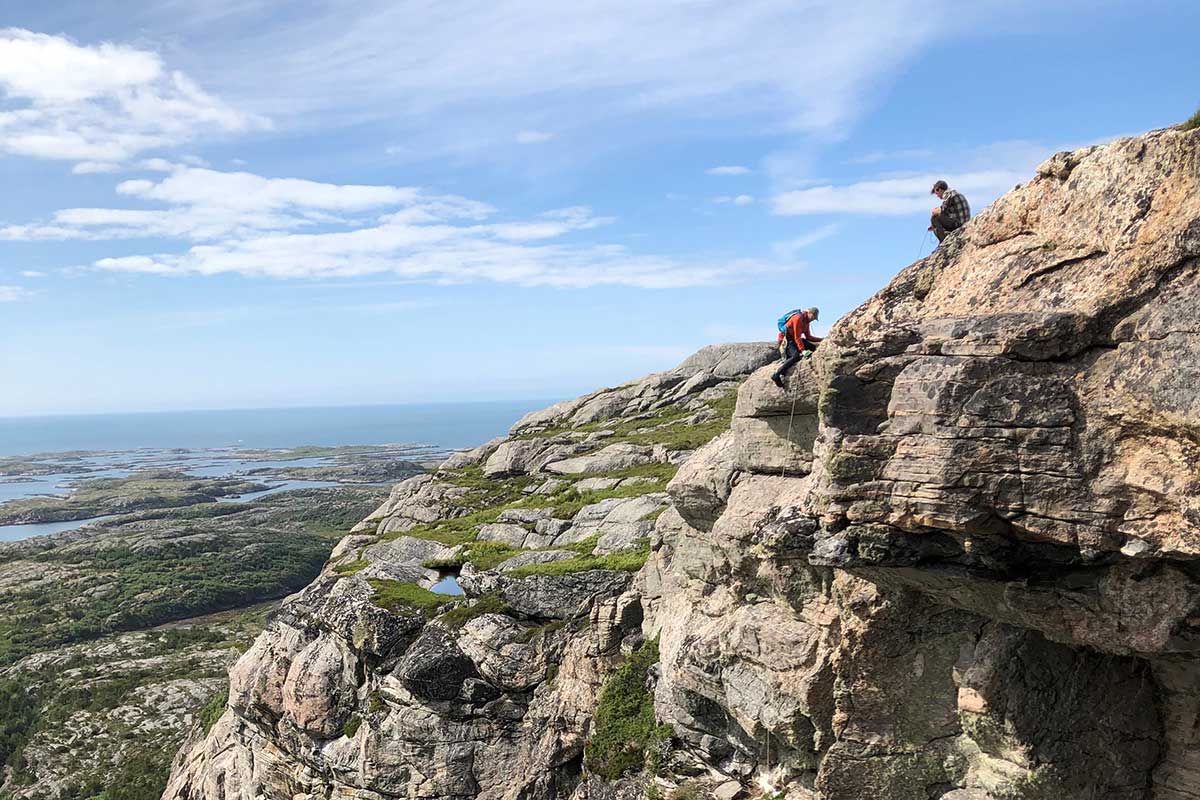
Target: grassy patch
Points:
(482, 553)
(625, 731)
(676, 436)
(400, 597)
(666, 426)
(490, 603)
(486, 491)
(211, 711)
(628, 561)
(352, 567)
(450, 531)
(352, 725)
(1191, 123)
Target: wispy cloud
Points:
(730, 170)
(736, 200)
(11, 294)
(251, 225)
(534, 137)
(485, 70)
(99, 105)
(788, 249)
(983, 173)
(894, 196)
(877, 156)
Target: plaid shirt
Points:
(955, 211)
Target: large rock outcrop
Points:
(974, 576)
(954, 558)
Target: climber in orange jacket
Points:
(797, 339)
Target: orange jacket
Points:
(797, 328)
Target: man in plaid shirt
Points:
(952, 214)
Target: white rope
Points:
(922, 248)
(783, 469)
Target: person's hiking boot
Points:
(777, 380)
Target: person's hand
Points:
(937, 210)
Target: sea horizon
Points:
(451, 425)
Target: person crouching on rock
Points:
(797, 340)
(952, 214)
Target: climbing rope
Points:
(924, 241)
(783, 469)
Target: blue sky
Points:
(230, 204)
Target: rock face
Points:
(954, 558)
(368, 685)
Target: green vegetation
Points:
(189, 563)
(400, 597)
(667, 426)
(352, 725)
(482, 553)
(626, 733)
(1191, 123)
(211, 711)
(450, 531)
(18, 715)
(674, 436)
(490, 603)
(627, 561)
(144, 587)
(352, 567)
(141, 776)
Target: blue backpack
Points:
(783, 320)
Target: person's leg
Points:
(939, 230)
(793, 356)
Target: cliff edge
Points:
(954, 558)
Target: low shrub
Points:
(625, 730)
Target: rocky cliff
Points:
(954, 558)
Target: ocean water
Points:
(448, 425)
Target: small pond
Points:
(448, 585)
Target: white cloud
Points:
(98, 104)
(877, 156)
(788, 249)
(534, 137)
(466, 75)
(31, 273)
(894, 196)
(93, 167)
(731, 170)
(251, 225)
(11, 294)
(736, 200)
